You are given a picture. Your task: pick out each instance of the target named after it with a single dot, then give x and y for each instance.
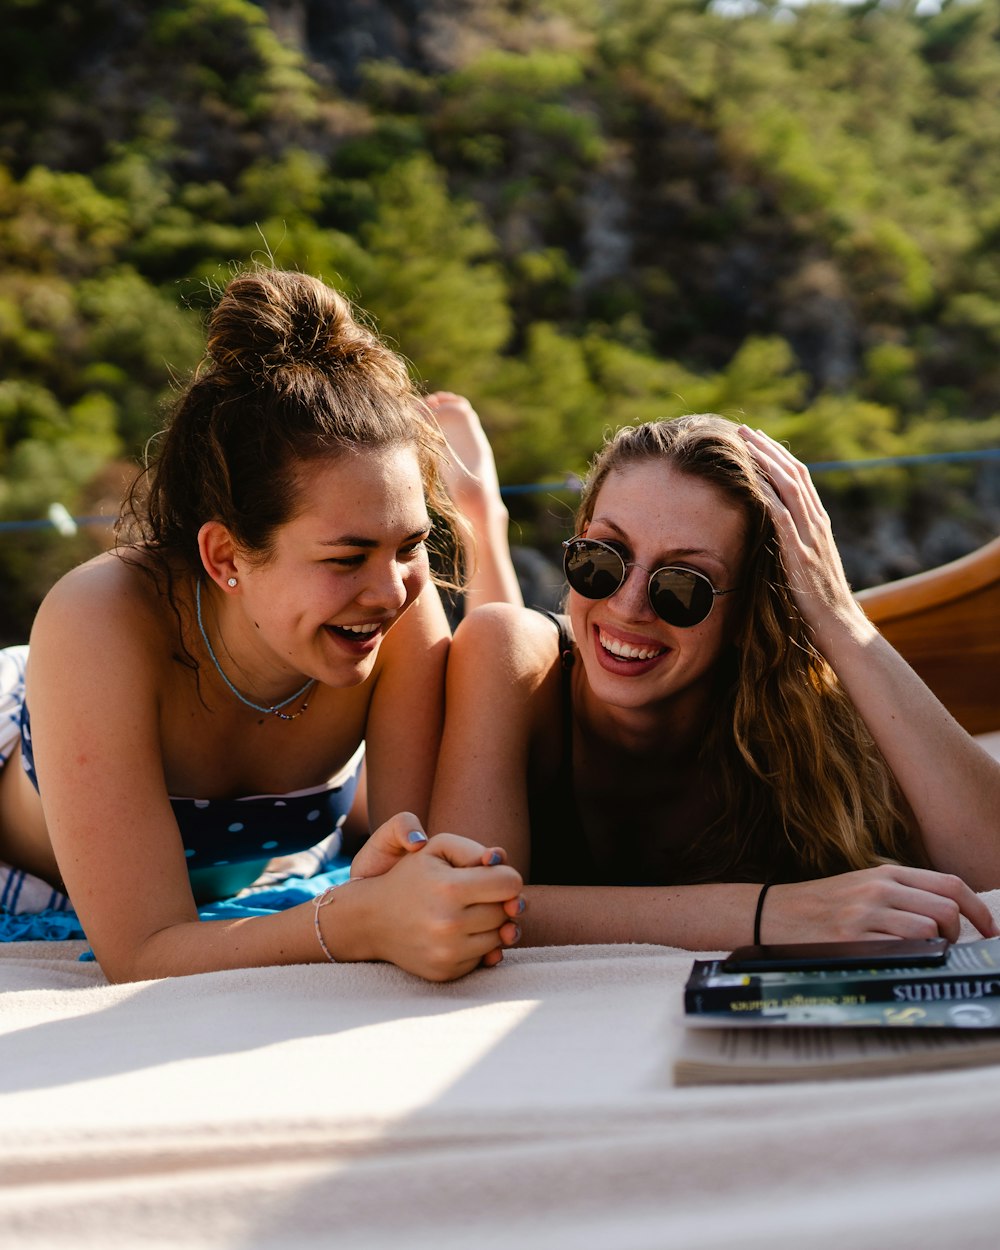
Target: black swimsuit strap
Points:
(567, 658)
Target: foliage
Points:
(580, 213)
(430, 279)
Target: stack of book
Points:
(811, 1024)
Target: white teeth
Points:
(625, 651)
(360, 629)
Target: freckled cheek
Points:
(709, 640)
(415, 579)
(578, 608)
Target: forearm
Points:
(486, 550)
(887, 901)
(694, 917)
(471, 481)
(950, 783)
(287, 937)
(435, 908)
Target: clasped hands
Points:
(441, 906)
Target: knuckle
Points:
(448, 929)
(874, 893)
(926, 927)
(850, 923)
(441, 925)
(511, 879)
(443, 959)
(451, 891)
(399, 825)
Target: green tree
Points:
(430, 277)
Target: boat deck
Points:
(945, 623)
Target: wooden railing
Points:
(946, 623)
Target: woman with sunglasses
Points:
(716, 726)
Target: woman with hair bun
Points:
(716, 737)
(198, 701)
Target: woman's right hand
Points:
(887, 901)
(437, 913)
(809, 553)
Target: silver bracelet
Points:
(319, 901)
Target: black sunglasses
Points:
(678, 596)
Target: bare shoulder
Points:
(107, 606)
(516, 643)
(106, 581)
(414, 651)
(502, 700)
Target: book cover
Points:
(962, 992)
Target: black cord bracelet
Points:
(760, 908)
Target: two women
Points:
(716, 726)
(716, 744)
(196, 701)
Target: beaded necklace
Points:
(275, 709)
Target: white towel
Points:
(531, 1105)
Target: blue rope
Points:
(573, 483)
(819, 466)
(46, 524)
(879, 462)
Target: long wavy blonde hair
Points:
(804, 790)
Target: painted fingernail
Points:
(417, 835)
(496, 858)
(517, 935)
(521, 904)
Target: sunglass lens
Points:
(592, 570)
(680, 598)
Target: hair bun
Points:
(272, 320)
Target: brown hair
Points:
(803, 788)
(291, 375)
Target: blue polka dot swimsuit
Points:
(218, 832)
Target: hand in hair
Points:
(887, 901)
(812, 562)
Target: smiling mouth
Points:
(625, 650)
(355, 633)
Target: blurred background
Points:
(580, 213)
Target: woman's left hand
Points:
(812, 562)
